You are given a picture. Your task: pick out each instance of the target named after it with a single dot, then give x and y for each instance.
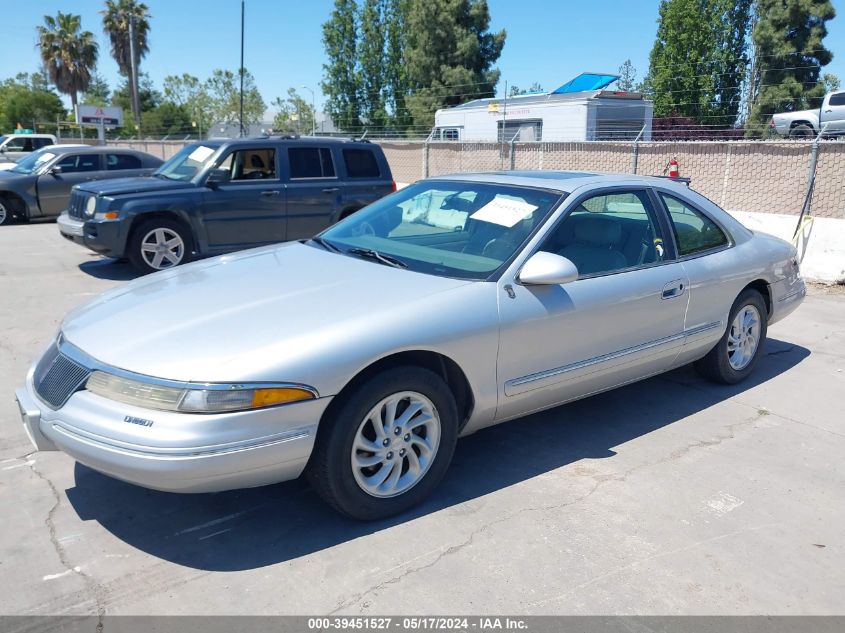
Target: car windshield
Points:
(452, 229)
(33, 162)
(187, 163)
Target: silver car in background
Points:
(359, 356)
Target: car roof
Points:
(564, 181)
(91, 149)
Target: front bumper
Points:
(177, 452)
(71, 228)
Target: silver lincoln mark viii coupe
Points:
(359, 356)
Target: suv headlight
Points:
(90, 206)
(199, 399)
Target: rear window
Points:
(694, 231)
(122, 161)
(837, 99)
(360, 163)
(310, 162)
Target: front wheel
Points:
(159, 244)
(6, 213)
(387, 445)
(737, 352)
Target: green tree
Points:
(295, 114)
(190, 93)
(98, 91)
(627, 77)
(789, 54)
(342, 81)
(395, 76)
(116, 23)
(26, 101)
(148, 97)
(167, 119)
(534, 88)
(698, 62)
(831, 82)
(68, 53)
(449, 55)
(223, 89)
(372, 57)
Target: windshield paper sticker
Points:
(201, 154)
(504, 212)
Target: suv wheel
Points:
(802, 131)
(159, 244)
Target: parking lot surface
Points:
(670, 496)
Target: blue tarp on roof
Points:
(586, 82)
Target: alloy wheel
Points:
(744, 337)
(162, 248)
(395, 444)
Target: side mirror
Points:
(217, 176)
(56, 170)
(546, 269)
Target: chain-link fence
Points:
(756, 176)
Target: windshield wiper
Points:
(325, 244)
(369, 253)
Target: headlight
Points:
(90, 206)
(200, 399)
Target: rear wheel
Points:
(387, 446)
(159, 244)
(734, 356)
(801, 131)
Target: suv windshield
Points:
(451, 229)
(187, 163)
(32, 162)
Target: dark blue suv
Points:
(224, 195)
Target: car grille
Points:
(57, 377)
(76, 206)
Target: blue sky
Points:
(549, 41)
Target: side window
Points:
(837, 99)
(694, 231)
(310, 162)
(38, 143)
(251, 164)
(122, 161)
(79, 162)
(360, 163)
(609, 232)
(19, 144)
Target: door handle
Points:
(673, 289)
(270, 192)
(330, 190)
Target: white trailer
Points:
(580, 110)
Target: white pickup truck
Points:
(830, 118)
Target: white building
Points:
(580, 110)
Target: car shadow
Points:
(248, 529)
(109, 269)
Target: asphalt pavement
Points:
(670, 496)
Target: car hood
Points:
(138, 184)
(239, 317)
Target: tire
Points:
(802, 130)
(338, 468)
(7, 214)
(171, 238)
(732, 360)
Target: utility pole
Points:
(243, 129)
(133, 80)
(313, 111)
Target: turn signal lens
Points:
(278, 395)
(110, 215)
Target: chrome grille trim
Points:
(57, 377)
(76, 205)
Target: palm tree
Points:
(116, 18)
(68, 53)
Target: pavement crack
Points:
(93, 587)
